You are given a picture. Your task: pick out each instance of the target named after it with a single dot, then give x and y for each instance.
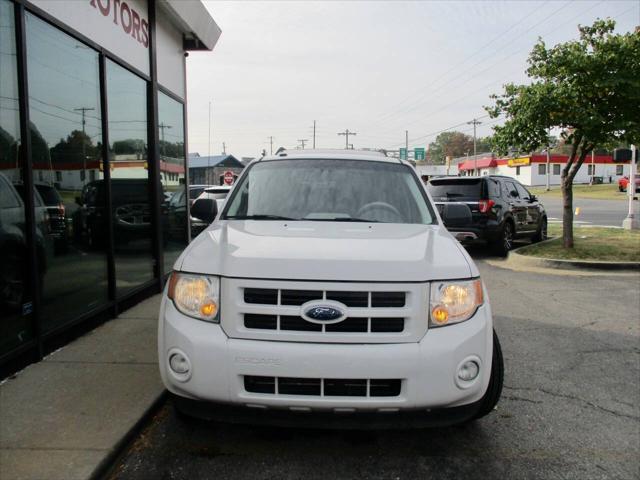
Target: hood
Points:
(327, 251)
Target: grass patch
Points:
(591, 243)
(605, 191)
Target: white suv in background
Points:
(328, 290)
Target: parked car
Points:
(502, 209)
(328, 285)
(14, 252)
(195, 191)
(218, 194)
(57, 215)
(131, 206)
(623, 183)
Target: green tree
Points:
(450, 144)
(589, 88)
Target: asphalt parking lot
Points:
(570, 407)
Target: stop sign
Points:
(228, 177)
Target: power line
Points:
(421, 93)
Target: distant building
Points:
(531, 170)
(210, 170)
(427, 171)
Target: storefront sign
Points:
(132, 22)
(119, 26)
(518, 162)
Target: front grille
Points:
(323, 387)
(269, 296)
(299, 324)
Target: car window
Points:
(524, 194)
(455, 188)
(48, 194)
(494, 188)
(331, 190)
(8, 198)
(510, 191)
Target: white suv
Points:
(328, 284)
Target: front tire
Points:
(494, 390)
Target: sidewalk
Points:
(60, 418)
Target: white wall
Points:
(529, 173)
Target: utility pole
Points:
(347, 133)
(631, 223)
(475, 123)
(224, 148)
(314, 134)
(207, 179)
(302, 142)
(84, 111)
(406, 142)
(271, 143)
(162, 128)
(593, 165)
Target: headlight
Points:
(454, 302)
(196, 295)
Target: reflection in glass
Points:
(130, 194)
(15, 321)
(172, 176)
(64, 107)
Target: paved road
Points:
(595, 212)
(570, 408)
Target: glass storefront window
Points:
(172, 176)
(130, 187)
(15, 324)
(66, 137)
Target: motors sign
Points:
(119, 26)
(127, 17)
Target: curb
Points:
(542, 262)
(106, 464)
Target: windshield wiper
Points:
(258, 217)
(341, 219)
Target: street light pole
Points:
(631, 223)
(548, 165)
(475, 122)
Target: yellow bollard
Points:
(577, 211)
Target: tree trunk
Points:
(567, 211)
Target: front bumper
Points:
(427, 369)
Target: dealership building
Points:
(532, 170)
(92, 151)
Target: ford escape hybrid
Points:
(327, 288)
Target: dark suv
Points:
(131, 212)
(501, 209)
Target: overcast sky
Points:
(376, 68)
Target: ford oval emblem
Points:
(325, 312)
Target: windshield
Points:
(330, 190)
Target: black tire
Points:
(541, 234)
(505, 241)
(13, 280)
(494, 390)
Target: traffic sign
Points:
(403, 153)
(418, 153)
(228, 177)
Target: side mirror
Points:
(205, 209)
(533, 198)
(455, 214)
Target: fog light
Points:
(179, 364)
(468, 371)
